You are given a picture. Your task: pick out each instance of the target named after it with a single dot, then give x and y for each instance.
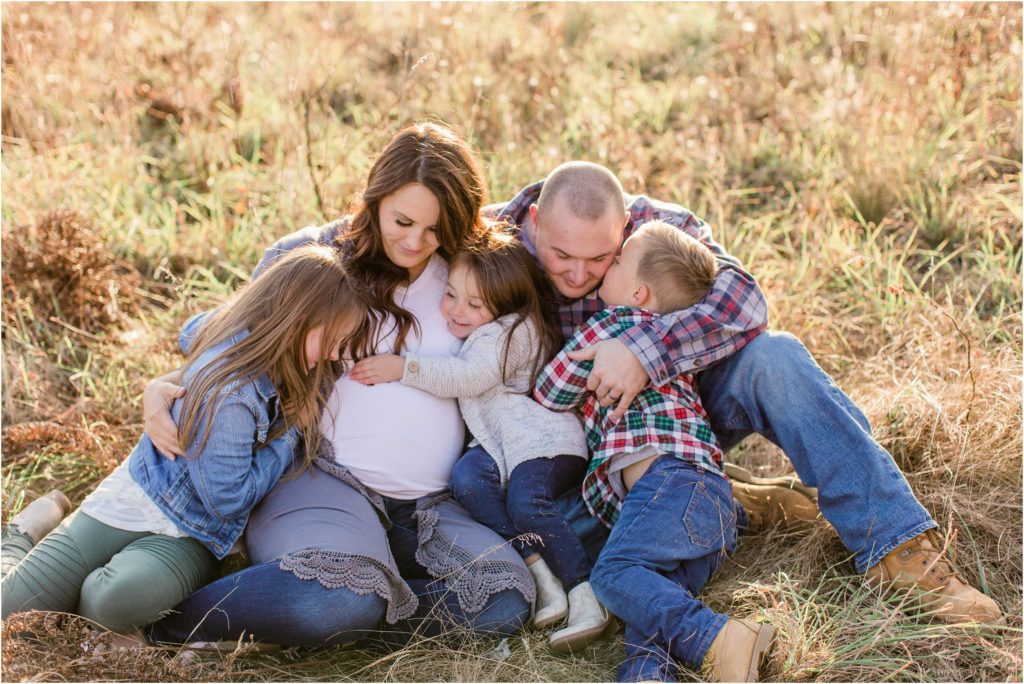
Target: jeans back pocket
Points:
(709, 521)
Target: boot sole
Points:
(741, 474)
(1000, 622)
(578, 640)
(762, 650)
(551, 620)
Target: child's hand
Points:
(374, 370)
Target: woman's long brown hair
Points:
(437, 158)
(307, 288)
(510, 282)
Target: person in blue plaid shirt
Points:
(660, 458)
(750, 379)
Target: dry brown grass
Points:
(61, 270)
(863, 160)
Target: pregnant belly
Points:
(398, 440)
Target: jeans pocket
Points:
(707, 519)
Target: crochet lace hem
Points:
(473, 579)
(360, 574)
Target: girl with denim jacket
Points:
(258, 374)
(370, 540)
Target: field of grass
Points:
(863, 160)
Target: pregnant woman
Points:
(370, 535)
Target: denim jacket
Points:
(209, 493)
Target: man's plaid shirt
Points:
(669, 417)
(733, 312)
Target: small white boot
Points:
(552, 603)
(587, 619)
(42, 515)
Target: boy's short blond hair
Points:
(678, 269)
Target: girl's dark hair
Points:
(436, 157)
(510, 282)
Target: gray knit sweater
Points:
(503, 418)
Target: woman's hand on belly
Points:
(157, 399)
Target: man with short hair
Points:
(750, 380)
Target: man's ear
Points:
(533, 222)
(622, 233)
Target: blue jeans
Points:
(527, 507)
(586, 527)
(774, 387)
(676, 525)
(275, 606)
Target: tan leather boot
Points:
(739, 652)
(38, 519)
(920, 566)
(773, 500)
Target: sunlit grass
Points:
(863, 160)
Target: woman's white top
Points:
(399, 440)
(500, 411)
(119, 501)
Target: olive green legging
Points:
(122, 580)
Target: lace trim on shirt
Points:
(360, 574)
(473, 579)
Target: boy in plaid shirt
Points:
(660, 463)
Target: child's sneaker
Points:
(41, 516)
(552, 603)
(739, 652)
(587, 619)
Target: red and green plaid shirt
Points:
(733, 312)
(668, 417)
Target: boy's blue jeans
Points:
(676, 525)
(527, 506)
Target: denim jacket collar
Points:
(265, 387)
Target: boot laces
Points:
(941, 567)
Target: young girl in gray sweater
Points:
(523, 455)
